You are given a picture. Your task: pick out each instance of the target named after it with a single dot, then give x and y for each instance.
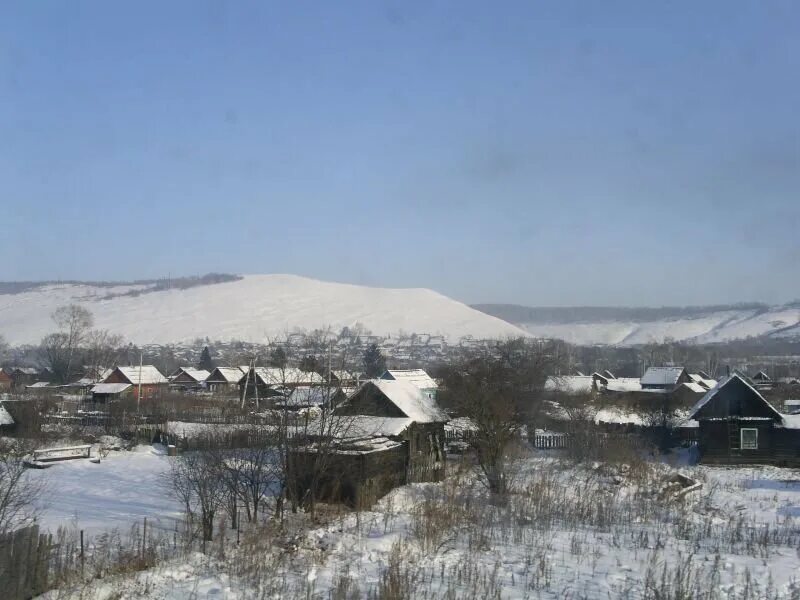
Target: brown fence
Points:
(24, 563)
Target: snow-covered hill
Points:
(250, 309)
(641, 326)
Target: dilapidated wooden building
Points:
(388, 433)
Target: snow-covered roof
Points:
(461, 424)
(149, 375)
(791, 421)
(38, 385)
(411, 400)
(110, 388)
(709, 395)
(695, 387)
(228, 374)
(364, 426)
(5, 417)
(26, 370)
(287, 375)
(306, 396)
(343, 375)
(704, 381)
(570, 384)
(198, 375)
(617, 415)
(662, 375)
(416, 377)
(624, 384)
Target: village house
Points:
(225, 380)
(5, 381)
(145, 377)
(664, 378)
(391, 433)
(416, 377)
(21, 377)
(188, 378)
(738, 426)
(266, 382)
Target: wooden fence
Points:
(24, 563)
(548, 441)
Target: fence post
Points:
(81, 552)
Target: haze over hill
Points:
(248, 308)
(631, 326)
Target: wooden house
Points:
(391, 433)
(398, 399)
(225, 380)
(5, 381)
(738, 426)
(21, 377)
(267, 382)
(416, 377)
(146, 377)
(188, 378)
(664, 378)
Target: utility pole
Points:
(139, 392)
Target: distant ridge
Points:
(626, 326)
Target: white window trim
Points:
(741, 438)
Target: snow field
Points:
(585, 531)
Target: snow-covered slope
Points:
(250, 309)
(717, 326)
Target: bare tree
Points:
(18, 490)
(102, 350)
(251, 475)
(60, 350)
(196, 480)
(500, 390)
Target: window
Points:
(749, 439)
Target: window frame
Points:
(741, 438)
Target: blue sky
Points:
(542, 153)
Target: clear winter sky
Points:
(537, 152)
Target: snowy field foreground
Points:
(569, 531)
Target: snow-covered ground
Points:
(586, 531)
(249, 309)
(121, 490)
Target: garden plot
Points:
(123, 489)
